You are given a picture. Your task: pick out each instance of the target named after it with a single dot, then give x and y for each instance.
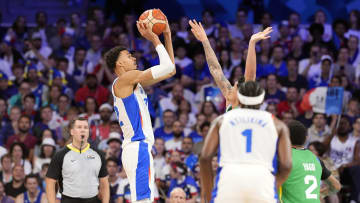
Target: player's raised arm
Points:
(284, 153)
(170, 51)
(250, 67)
(209, 150)
(214, 65)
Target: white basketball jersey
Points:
(133, 116)
(248, 137)
(342, 152)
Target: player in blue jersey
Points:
(131, 106)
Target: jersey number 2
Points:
(309, 191)
(248, 134)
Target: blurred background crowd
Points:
(52, 73)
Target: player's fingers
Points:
(267, 37)
(191, 23)
(201, 25)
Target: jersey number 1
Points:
(248, 134)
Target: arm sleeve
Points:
(55, 166)
(103, 171)
(325, 172)
(166, 66)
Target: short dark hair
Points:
(112, 55)
(31, 175)
(112, 159)
(249, 89)
(62, 59)
(72, 122)
(31, 96)
(167, 111)
(319, 147)
(5, 156)
(298, 132)
(205, 124)
(25, 116)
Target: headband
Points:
(246, 100)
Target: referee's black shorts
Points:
(66, 199)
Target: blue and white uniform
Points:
(134, 118)
(247, 157)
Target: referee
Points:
(80, 171)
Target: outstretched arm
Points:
(214, 65)
(250, 67)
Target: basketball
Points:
(156, 20)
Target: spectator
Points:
(48, 120)
(114, 180)
(273, 93)
(208, 21)
(64, 105)
(165, 132)
(342, 65)
(17, 99)
(185, 109)
(292, 103)
(8, 55)
(24, 136)
(353, 110)
(319, 130)
(177, 195)
(179, 178)
(29, 108)
(19, 153)
(196, 74)
(287, 116)
(324, 77)
(190, 159)
(47, 151)
(175, 142)
(66, 48)
(91, 88)
(65, 80)
(93, 55)
(10, 128)
(296, 48)
(295, 28)
(344, 150)
(198, 145)
(159, 156)
(241, 19)
(37, 49)
(340, 27)
(3, 197)
(306, 118)
(284, 39)
(181, 58)
(294, 79)
(101, 130)
(311, 66)
(114, 147)
(42, 27)
(16, 186)
(6, 169)
(38, 88)
(209, 110)
(53, 97)
(6, 90)
(91, 111)
(320, 18)
(33, 192)
(272, 108)
(80, 66)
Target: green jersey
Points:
(303, 183)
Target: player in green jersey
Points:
(303, 183)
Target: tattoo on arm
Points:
(215, 69)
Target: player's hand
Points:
(146, 31)
(198, 30)
(261, 35)
(167, 29)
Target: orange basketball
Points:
(156, 20)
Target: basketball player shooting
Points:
(228, 91)
(131, 106)
(253, 152)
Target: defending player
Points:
(131, 106)
(303, 184)
(228, 91)
(250, 143)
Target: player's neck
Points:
(298, 147)
(76, 145)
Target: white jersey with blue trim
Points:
(133, 116)
(248, 136)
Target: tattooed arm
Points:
(211, 59)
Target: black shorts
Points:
(66, 199)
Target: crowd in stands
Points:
(50, 74)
